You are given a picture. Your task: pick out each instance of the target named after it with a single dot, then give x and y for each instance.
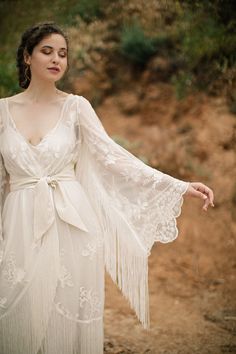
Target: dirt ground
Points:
(192, 280)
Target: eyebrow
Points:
(48, 46)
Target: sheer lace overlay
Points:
(136, 204)
(72, 206)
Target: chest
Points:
(34, 121)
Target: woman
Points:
(72, 203)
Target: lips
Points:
(54, 69)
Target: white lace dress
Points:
(72, 206)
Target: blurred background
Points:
(161, 76)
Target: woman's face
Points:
(50, 52)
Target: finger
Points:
(200, 195)
(204, 208)
(204, 192)
(206, 204)
(210, 194)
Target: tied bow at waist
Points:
(45, 204)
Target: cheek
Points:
(65, 63)
(40, 62)
(44, 59)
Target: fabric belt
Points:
(45, 204)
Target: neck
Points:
(41, 91)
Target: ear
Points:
(26, 57)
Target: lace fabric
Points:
(148, 199)
(136, 204)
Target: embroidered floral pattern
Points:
(65, 277)
(91, 299)
(74, 317)
(3, 301)
(138, 208)
(12, 273)
(13, 151)
(90, 250)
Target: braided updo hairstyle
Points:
(30, 38)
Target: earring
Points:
(27, 69)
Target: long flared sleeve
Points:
(137, 205)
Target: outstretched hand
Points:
(200, 190)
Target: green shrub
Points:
(205, 44)
(8, 78)
(135, 45)
(182, 83)
(205, 39)
(206, 32)
(88, 10)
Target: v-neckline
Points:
(51, 131)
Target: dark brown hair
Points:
(29, 39)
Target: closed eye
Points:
(63, 55)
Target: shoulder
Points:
(83, 103)
(16, 98)
(2, 103)
(81, 98)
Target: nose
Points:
(55, 58)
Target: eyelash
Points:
(62, 56)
